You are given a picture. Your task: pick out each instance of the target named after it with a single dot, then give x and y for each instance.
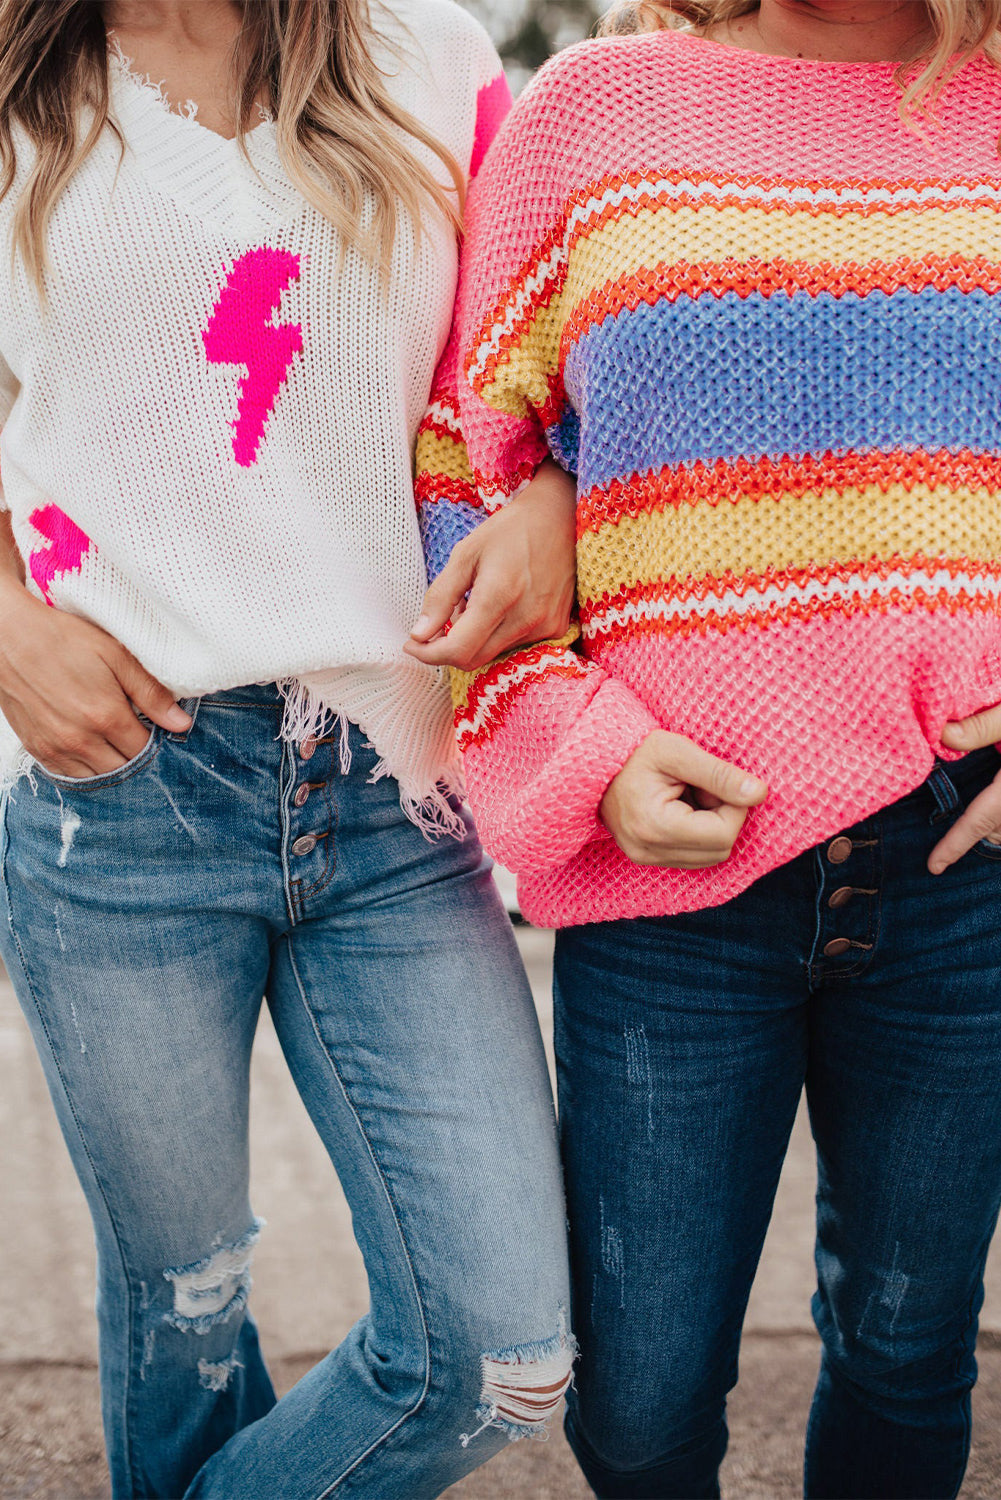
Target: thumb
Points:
(148, 695)
(975, 732)
(688, 762)
(446, 593)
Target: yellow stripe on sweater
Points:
(443, 455)
(792, 531)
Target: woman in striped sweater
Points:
(739, 270)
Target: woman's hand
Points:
(982, 819)
(519, 569)
(67, 689)
(646, 811)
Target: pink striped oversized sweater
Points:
(759, 317)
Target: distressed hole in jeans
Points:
(523, 1387)
(215, 1375)
(210, 1290)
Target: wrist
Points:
(13, 598)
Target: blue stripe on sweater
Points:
(720, 377)
(443, 524)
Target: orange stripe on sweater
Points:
(801, 612)
(495, 716)
(727, 480)
(480, 683)
(674, 590)
(433, 489)
(670, 281)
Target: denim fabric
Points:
(146, 913)
(683, 1045)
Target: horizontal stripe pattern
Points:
(785, 597)
(728, 219)
(727, 480)
(708, 379)
(786, 532)
(481, 698)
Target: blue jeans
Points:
(683, 1045)
(146, 914)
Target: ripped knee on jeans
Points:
(522, 1387)
(211, 1290)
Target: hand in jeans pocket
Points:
(981, 822)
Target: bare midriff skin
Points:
(67, 688)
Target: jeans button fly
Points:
(840, 897)
(836, 947)
(306, 844)
(308, 748)
(839, 849)
(302, 795)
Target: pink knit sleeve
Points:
(543, 730)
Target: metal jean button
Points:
(308, 748)
(302, 794)
(306, 844)
(839, 849)
(836, 947)
(841, 896)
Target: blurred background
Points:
(527, 32)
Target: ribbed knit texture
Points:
(208, 445)
(760, 318)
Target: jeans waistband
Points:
(253, 695)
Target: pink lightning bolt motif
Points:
(67, 550)
(241, 332)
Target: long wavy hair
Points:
(341, 136)
(960, 30)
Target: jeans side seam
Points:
(127, 1383)
(411, 1411)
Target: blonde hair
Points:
(960, 30)
(341, 136)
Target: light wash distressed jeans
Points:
(146, 914)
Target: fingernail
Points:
(422, 626)
(751, 787)
(177, 718)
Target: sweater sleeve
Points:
(543, 729)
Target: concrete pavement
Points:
(310, 1286)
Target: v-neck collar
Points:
(206, 174)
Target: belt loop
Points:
(946, 797)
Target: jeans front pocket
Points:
(106, 778)
(987, 849)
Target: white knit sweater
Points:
(208, 435)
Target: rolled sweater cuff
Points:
(555, 814)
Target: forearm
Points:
(11, 565)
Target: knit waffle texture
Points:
(759, 317)
(208, 432)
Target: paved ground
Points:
(309, 1287)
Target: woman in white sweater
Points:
(217, 335)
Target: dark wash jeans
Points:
(683, 1045)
